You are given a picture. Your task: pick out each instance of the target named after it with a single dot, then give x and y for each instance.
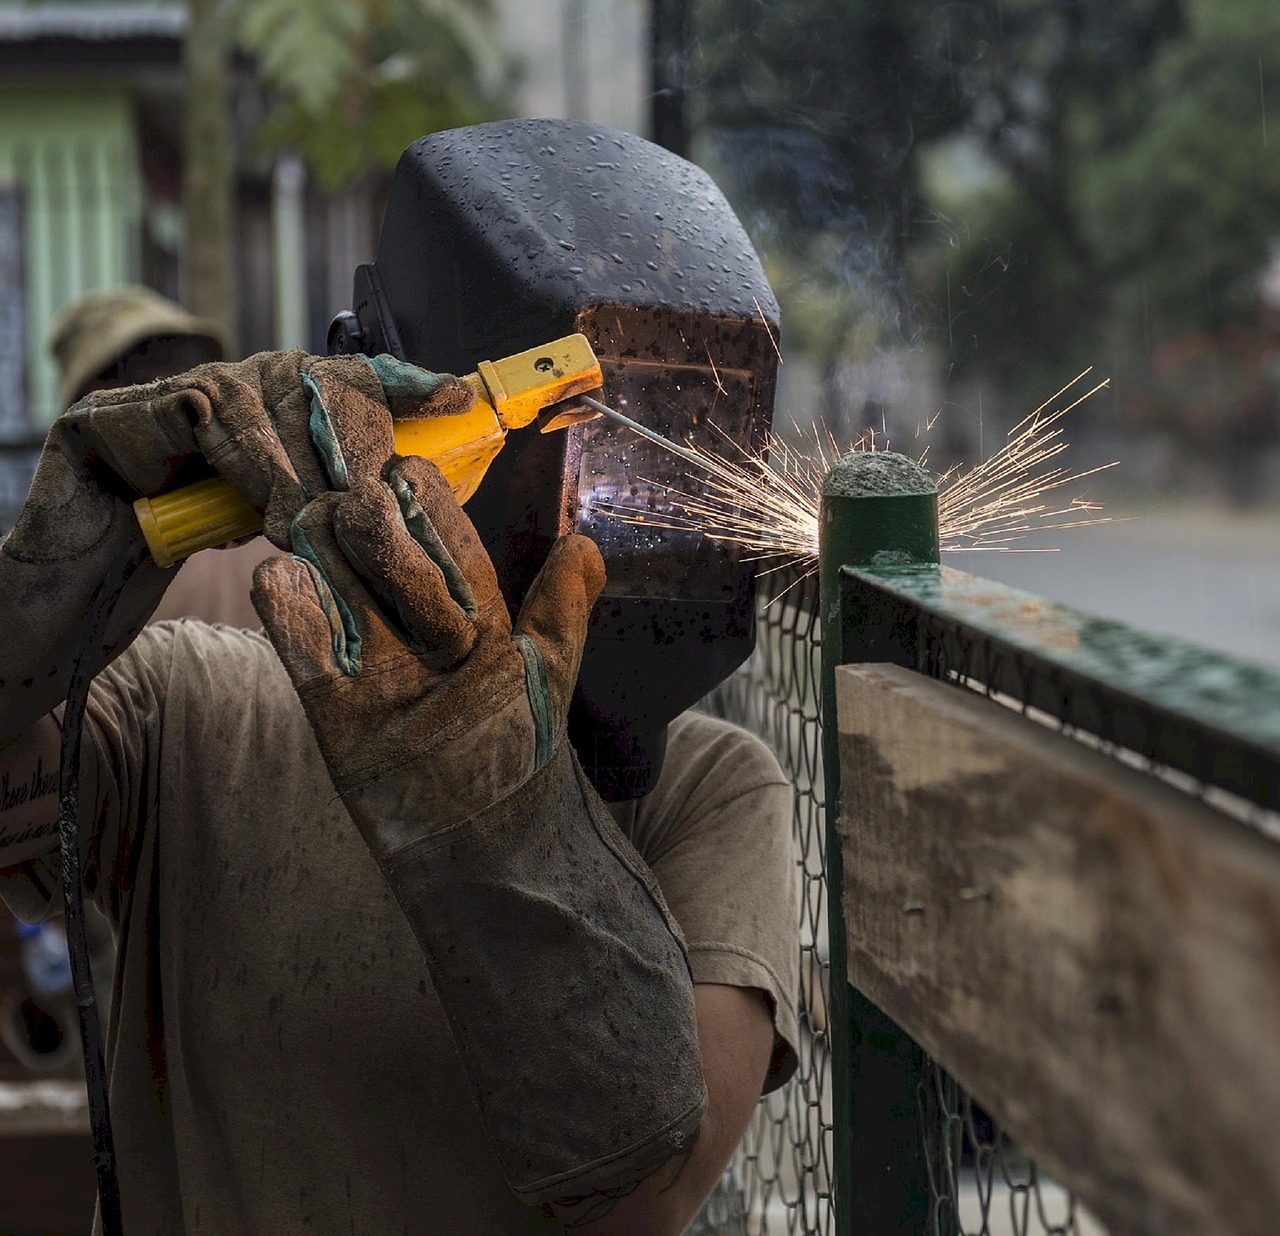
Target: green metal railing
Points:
(872, 1136)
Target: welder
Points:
(387, 959)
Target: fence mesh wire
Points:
(782, 1178)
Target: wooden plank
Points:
(1095, 956)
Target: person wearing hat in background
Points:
(103, 341)
(127, 336)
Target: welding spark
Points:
(767, 502)
(768, 329)
(715, 373)
(998, 503)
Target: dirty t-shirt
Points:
(214, 585)
(278, 1060)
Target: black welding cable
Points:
(95, 1077)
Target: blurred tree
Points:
(353, 82)
(208, 167)
(1130, 202)
(1184, 211)
(669, 26)
(812, 112)
(1020, 181)
(350, 82)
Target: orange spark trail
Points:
(768, 502)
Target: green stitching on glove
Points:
(420, 528)
(406, 386)
(325, 438)
(535, 685)
(342, 623)
(378, 587)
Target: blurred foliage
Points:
(1027, 185)
(353, 82)
(812, 112)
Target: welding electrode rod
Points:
(644, 431)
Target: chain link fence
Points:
(782, 1178)
(980, 1181)
(784, 1174)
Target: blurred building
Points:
(91, 159)
(581, 59)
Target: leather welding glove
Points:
(265, 423)
(558, 965)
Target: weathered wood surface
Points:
(1093, 955)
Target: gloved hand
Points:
(563, 976)
(253, 420)
(429, 698)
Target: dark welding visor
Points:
(502, 236)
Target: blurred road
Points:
(1046, 1209)
(1203, 573)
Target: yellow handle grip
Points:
(509, 395)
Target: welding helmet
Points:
(500, 237)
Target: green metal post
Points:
(878, 508)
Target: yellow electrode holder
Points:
(510, 394)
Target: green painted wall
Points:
(74, 157)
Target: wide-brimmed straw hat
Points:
(95, 331)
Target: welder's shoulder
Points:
(715, 776)
(182, 687)
(191, 661)
(204, 637)
(709, 752)
(186, 639)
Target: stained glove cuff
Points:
(566, 984)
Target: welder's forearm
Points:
(29, 793)
(735, 1038)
